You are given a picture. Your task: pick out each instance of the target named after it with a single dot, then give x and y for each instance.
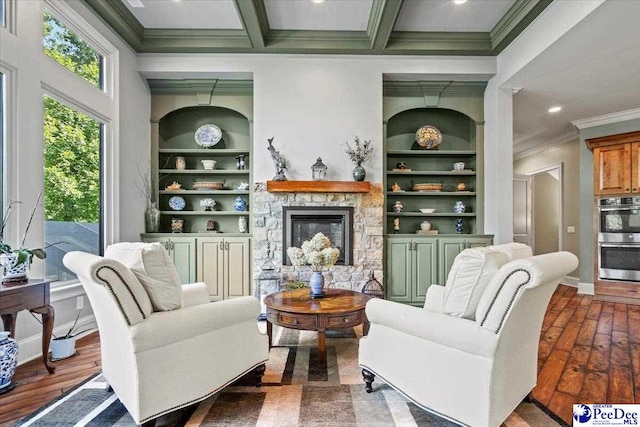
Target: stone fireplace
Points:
(366, 240)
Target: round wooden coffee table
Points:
(338, 309)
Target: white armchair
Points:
(157, 362)
(475, 370)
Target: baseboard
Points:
(585, 288)
(31, 348)
(570, 281)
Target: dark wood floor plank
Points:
(634, 329)
(587, 332)
(561, 404)
(620, 385)
(574, 371)
(580, 314)
(548, 342)
(594, 388)
(605, 323)
(620, 352)
(549, 317)
(620, 321)
(599, 360)
(608, 307)
(568, 337)
(564, 317)
(549, 377)
(594, 310)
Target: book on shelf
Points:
(427, 232)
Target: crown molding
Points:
(258, 37)
(539, 148)
(517, 18)
(607, 119)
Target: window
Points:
(73, 187)
(2, 157)
(3, 7)
(65, 47)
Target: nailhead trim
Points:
(513, 297)
(115, 297)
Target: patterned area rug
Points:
(295, 392)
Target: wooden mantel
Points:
(318, 186)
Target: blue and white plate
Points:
(177, 203)
(208, 135)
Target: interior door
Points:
(522, 209)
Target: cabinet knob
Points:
(166, 245)
(345, 320)
(173, 245)
(226, 246)
(221, 245)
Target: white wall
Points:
(312, 105)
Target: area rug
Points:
(295, 392)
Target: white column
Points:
(498, 163)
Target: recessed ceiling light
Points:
(317, 1)
(459, 1)
(555, 109)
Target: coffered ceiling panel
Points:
(192, 14)
(445, 15)
(330, 15)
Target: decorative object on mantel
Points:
(429, 137)
(240, 204)
(267, 282)
(318, 186)
(359, 155)
(15, 263)
(459, 226)
(318, 170)
(8, 361)
(279, 162)
(373, 287)
(317, 253)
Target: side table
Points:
(32, 295)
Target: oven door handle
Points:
(628, 208)
(619, 245)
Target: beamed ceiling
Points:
(378, 27)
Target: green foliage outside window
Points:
(72, 139)
(71, 51)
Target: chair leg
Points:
(369, 377)
(259, 372)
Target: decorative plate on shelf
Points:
(208, 135)
(177, 203)
(428, 137)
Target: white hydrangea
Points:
(316, 252)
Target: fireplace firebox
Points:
(301, 223)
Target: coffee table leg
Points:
(365, 328)
(269, 332)
(322, 349)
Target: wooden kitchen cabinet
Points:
(615, 160)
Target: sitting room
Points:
(319, 212)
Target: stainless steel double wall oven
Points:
(619, 238)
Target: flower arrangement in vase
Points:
(15, 263)
(359, 155)
(318, 254)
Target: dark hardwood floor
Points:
(589, 353)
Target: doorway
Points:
(538, 211)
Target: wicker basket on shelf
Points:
(430, 186)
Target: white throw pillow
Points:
(152, 265)
(471, 272)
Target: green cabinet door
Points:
(477, 242)
(210, 266)
(237, 267)
(399, 268)
(182, 251)
(449, 248)
(425, 267)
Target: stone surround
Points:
(367, 234)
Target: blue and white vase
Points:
(317, 284)
(459, 207)
(8, 360)
(240, 204)
(459, 226)
(12, 272)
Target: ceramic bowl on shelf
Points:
(427, 210)
(209, 164)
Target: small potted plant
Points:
(359, 155)
(64, 346)
(15, 263)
